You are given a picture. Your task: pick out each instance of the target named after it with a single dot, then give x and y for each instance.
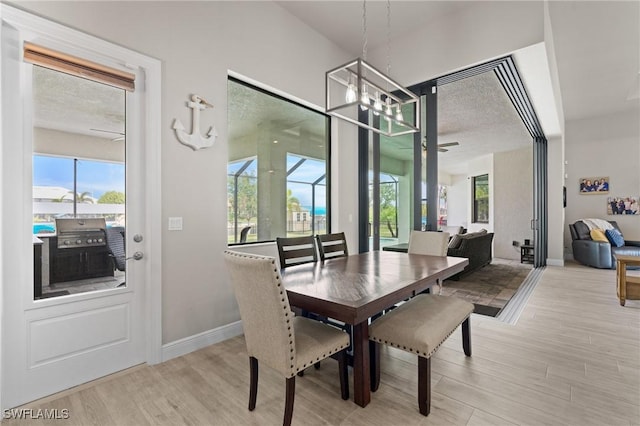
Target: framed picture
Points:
(594, 185)
(622, 205)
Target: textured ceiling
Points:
(76, 105)
(477, 113)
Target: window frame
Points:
(475, 200)
(263, 89)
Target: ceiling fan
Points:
(115, 139)
(441, 147)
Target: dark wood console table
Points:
(526, 253)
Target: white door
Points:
(51, 344)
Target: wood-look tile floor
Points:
(573, 358)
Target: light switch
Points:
(175, 224)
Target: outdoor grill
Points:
(76, 233)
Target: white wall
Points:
(478, 32)
(513, 201)
(556, 225)
(603, 146)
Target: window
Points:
(481, 199)
(100, 191)
(277, 168)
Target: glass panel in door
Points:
(78, 185)
(391, 189)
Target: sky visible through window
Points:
(309, 172)
(94, 177)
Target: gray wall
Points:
(603, 146)
(513, 201)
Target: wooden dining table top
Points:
(356, 287)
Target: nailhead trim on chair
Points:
(423, 354)
(286, 314)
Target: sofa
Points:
(475, 246)
(598, 254)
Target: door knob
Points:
(136, 256)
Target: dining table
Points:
(352, 289)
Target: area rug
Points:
(491, 287)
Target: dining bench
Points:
(420, 326)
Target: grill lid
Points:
(64, 226)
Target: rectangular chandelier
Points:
(357, 84)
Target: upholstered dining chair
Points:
(420, 326)
(296, 250)
(273, 335)
(430, 243)
(331, 245)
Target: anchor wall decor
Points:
(195, 140)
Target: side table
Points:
(628, 287)
(526, 253)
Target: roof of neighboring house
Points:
(54, 193)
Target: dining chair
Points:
(420, 326)
(331, 245)
(296, 250)
(428, 242)
(273, 335)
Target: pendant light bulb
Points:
(399, 116)
(364, 98)
(388, 110)
(377, 104)
(351, 95)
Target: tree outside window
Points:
(481, 199)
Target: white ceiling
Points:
(341, 21)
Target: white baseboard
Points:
(201, 340)
(555, 262)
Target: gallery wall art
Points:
(622, 205)
(594, 185)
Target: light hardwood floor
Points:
(573, 358)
